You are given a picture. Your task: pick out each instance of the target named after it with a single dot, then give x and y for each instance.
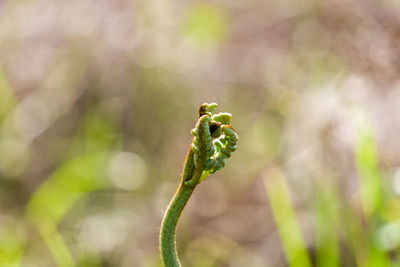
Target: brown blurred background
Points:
(97, 100)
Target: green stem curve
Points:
(168, 228)
(174, 210)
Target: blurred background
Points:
(97, 100)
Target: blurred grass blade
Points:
(12, 242)
(72, 181)
(370, 183)
(326, 223)
(69, 183)
(55, 243)
(367, 164)
(285, 219)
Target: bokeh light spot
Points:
(127, 170)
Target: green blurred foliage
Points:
(206, 25)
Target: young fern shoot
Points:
(214, 140)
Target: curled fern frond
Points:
(219, 139)
(214, 140)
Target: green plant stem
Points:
(168, 227)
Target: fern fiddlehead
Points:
(213, 142)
